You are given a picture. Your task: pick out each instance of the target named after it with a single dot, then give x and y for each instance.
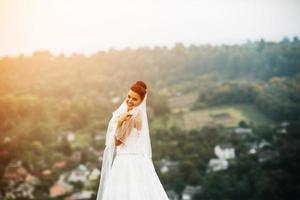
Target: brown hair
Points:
(139, 87)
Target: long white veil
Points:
(110, 148)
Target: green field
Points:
(227, 115)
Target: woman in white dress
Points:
(127, 171)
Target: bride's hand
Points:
(117, 142)
(124, 117)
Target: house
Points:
(69, 135)
(79, 174)
(267, 155)
(240, 130)
(21, 184)
(60, 164)
(8, 195)
(252, 151)
(284, 124)
(256, 146)
(243, 133)
(32, 180)
(47, 172)
(24, 190)
(172, 195)
(221, 116)
(166, 165)
(224, 151)
(94, 175)
(282, 131)
(190, 191)
(253, 147)
(15, 171)
(83, 195)
(217, 165)
(60, 187)
(263, 144)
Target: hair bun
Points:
(142, 84)
(139, 87)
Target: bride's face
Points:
(133, 99)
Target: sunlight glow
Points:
(91, 25)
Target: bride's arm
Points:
(123, 129)
(138, 122)
(119, 125)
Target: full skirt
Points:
(133, 177)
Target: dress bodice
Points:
(132, 144)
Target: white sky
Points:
(88, 25)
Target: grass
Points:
(235, 113)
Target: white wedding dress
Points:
(133, 176)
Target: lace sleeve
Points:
(123, 131)
(138, 122)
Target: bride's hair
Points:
(139, 87)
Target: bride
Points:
(127, 171)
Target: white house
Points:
(69, 135)
(263, 144)
(253, 147)
(166, 165)
(243, 133)
(224, 152)
(86, 194)
(284, 123)
(217, 165)
(241, 130)
(25, 190)
(189, 191)
(252, 151)
(79, 174)
(94, 175)
(282, 131)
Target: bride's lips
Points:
(129, 104)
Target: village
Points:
(81, 182)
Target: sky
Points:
(88, 26)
